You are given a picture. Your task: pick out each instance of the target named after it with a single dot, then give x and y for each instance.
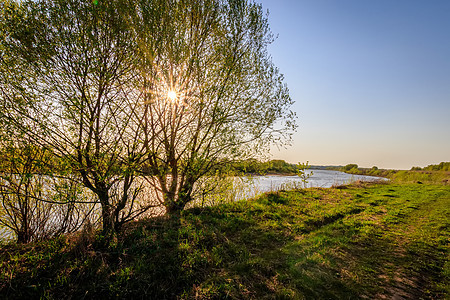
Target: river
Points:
(321, 178)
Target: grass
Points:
(370, 241)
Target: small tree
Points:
(301, 172)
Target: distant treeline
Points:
(355, 169)
(443, 166)
(253, 166)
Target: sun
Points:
(172, 95)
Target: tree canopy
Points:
(228, 99)
(179, 86)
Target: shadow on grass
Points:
(146, 262)
(283, 245)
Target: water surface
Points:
(320, 178)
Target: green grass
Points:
(351, 242)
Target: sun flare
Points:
(172, 95)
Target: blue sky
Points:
(371, 80)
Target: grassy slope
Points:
(373, 241)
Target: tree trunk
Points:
(23, 236)
(184, 197)
(108, 230)
(174, 208)
(108, 221)
(24, 233)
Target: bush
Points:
(443, 166)
(350, 167)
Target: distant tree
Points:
(250, 166)
(212, 95)
(350, 167)
(282, 167)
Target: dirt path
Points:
(415, 270)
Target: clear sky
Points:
(371, 80)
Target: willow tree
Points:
(66, 66)
(211, 91)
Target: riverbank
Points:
(363, 240)
(432, 174)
